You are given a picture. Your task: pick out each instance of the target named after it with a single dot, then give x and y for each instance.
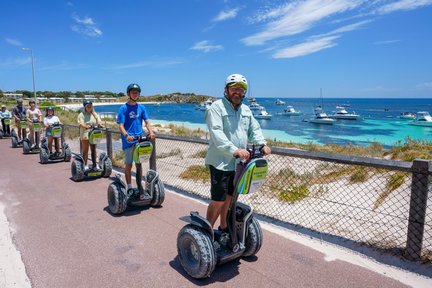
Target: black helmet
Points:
(87, 102)
(32, 101)
(50, 108)
(133, 86)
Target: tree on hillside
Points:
(1, 93)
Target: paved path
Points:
(67, 238)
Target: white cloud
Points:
(425, 85)
(297, 17)
(206, 46)
(64, 65)
(402, 5)
(86, 26)
(13, 42)
(153, 63)
(311, 46)
(225, 15)
(14, 62)
(385, 42)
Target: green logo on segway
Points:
(36, 127)
(95, 137)
(253, 177)
(23, 124)
(7, 121)
(56, 132)
(142, 152)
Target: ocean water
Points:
(380, 120)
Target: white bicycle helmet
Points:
(236, 79)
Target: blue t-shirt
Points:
(131, 116)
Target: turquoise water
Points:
(381, 123)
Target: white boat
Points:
(321, 117)
(407, 116)
(203, 106)
(423, 119)
(263, 114)
(290, 111)
(279, 102)
(254, 106)
(342, 113)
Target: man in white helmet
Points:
(232, 126)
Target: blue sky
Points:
(357, 48)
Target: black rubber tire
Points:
(196, 252)
(26, 147)
(13, 133)
(14, 140)
(117, 200)
(107, 168)
(254, 238)
(77, 169)
(43, 156)
(68, 154)
(158, 194)
(1, 134)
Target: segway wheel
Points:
(107, 168)
(77, 170)
(26, 147)
(43, 156)
(196, 252)
(14, 142)
(13, 133)
(117, 200)
(158, 194)
(1, 134)
(254, 238)
(68, 154)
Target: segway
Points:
(104, 168)
(200, 248)
(44, 154)
(3, 134)
(22, 124)
(153, 194)
(28, 147)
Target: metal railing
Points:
(381, 203)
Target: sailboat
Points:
(320, 116)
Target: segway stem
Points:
(138, 176)
(93, 154)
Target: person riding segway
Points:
(6, 120)
(34, 118)
(228, 141)
(90, 135)
(19, 114)
(153, 193)
(53, 133)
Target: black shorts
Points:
(222, 183)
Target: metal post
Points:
(418, 205)
(152, 160)
(33, 73)
(108, 136)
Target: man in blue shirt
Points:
(129, 118)
(231, 125)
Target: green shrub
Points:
(359, 175)
(296, 193)
(196, 173)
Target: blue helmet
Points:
(87, 102)
(133, 86)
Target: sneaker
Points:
(86, 167)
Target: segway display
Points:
(7, 132)
(153, 194)
(16, 142)
(104, 168)
(29, 147)
(200, 248)
(44, 154)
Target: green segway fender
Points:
(142, 152)
(56, 132)
(23, 124)
(7, 121)
(36, 127)
(252, 177)
(95, 137)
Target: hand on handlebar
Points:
(242, 154)
(130, 138)
(266, 150)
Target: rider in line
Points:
(5, 114)
(19, 112)
(130, 117)
(87, 119)
(49, 120)
(32, 114)
(231, 126)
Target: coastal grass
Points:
(293, 194)
(393, 182)
(200, 154)
(196, 173)
(171, 153)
